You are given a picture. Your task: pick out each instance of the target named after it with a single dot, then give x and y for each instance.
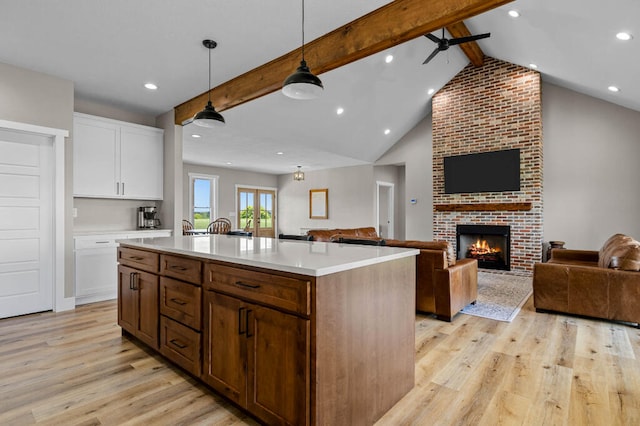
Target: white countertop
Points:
(300, 257)
(136, 231)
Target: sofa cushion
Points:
(624, 250)
(427, 245)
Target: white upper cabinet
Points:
(114, 159)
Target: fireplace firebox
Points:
(489, 244)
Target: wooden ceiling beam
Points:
(388, 26)
(471, 49)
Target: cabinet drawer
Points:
(180, 344)
(140, 259)
(181, 268)
(269, 289)
(181, 301)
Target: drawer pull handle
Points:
(136, 258)
(241, 284)
(103, 242)
(177, 343)
(247, 333)
(179, 268)
(178, 301)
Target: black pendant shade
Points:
(302, 84)
(209, 117)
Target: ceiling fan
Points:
(445, 43)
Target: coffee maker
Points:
(148, 217)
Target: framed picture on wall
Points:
(319, 204)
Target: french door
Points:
(256, 211)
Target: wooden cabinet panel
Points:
(139, 259)
(138, 304)
(181, 301)
(181, 268)
(224, 346)
(180, 344)
(146, 285)
(275, 290)
(127, 300)
(258, 357)
(278, 377)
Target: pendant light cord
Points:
(303, 30)
(209, 91)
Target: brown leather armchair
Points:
(603, 284)
(443, 285)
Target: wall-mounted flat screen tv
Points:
(493, 171)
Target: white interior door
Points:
(26, 223)
(384, 210)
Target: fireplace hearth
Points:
(488, 244)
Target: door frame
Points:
(265, 188)
(57, 136)
(390, 207)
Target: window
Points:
(203, 199)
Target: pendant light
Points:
(298, 175)
(302, 84)
(209, 117)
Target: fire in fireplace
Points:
(489, 244)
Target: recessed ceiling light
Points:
(150, 86)
(387, 131)
(196, 136)
(533, 66)
(279, 153)
(514, 13)
(340, 110)
(431, 91)
(613, 89)
(228, 163)
(624, 36)
(388, 59)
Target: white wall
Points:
(43, 100)
(415, 152)
(351, 199)
(591, 172)
(228, 179)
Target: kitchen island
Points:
(295, 332)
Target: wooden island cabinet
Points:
(294, 332)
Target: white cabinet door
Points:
(96, 158)
(141, 170)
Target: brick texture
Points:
(494, 107)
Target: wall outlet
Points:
(75, 212)
(232, 214)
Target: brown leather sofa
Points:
(604, 284)
(443, 285)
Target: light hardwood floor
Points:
(75, 368)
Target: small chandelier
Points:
(298, 174)
(209, 117)
(302, 84)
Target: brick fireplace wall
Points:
(494, 107)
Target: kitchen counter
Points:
(302, 257)
(294, 332)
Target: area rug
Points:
(500, 296)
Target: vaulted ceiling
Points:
(110, 49)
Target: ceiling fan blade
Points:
(432, 38)
(434, 53)
(468, 39)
